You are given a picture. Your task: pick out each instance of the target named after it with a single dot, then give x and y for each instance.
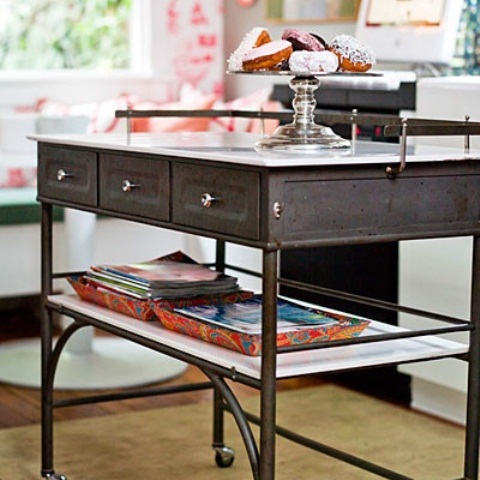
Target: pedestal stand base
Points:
(111, 363)
(303, 134)
(290, 138)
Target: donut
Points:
(352, 54)
(254, 38)
(320, 39)
(268, 56)
(302, 40)
(304, 62)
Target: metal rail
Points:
(393, 126)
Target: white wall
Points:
(115, 241)
(20, 259)
(436, 274)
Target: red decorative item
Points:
(145, 309)
(251, 343)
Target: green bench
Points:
(19, 206)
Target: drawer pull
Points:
(62, 175)
(278, 209)
(208, 200)
(128, 186)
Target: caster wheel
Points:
(55, 476)
(224, 456)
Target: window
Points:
(147, 48)
(71, 34)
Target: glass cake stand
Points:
(303, 134)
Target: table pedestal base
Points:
(111, 363)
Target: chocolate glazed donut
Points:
(303, 40)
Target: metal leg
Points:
(218, 411)
(269, 366)
(473, 398)
(47, 469)
(47, 396)
(46, 331)
(218, 419)
(220, 255)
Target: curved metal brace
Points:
(240, 419)
(57, 350)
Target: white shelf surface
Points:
(288, 364)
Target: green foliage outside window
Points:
(65, 34)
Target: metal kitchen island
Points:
(217, 185)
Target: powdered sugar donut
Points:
(352, 54)
(302, 40)
(254, 38)
(304, 62)
(268, 56)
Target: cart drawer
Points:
(222, 200)
(135, 185)
(67, 174)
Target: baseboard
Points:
(439, 401)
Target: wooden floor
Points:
(21, 406)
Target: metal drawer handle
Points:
(208, 200)
(62, 175)
(128, 186)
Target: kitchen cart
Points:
(217, 185)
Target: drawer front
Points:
(67, 174)
(135, 185)
(369, 205)
(234, 209)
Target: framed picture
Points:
(308, 11)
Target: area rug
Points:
(174, 443)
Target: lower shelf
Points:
(288, 364)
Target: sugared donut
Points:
(302, 40)
(268, 56)
(254, 38)
(304, 62)
(352, 54)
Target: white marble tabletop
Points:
(239, 148)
